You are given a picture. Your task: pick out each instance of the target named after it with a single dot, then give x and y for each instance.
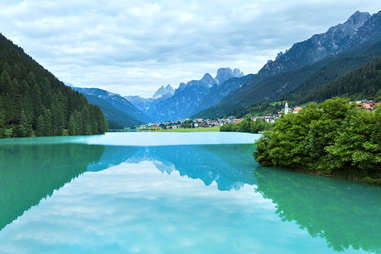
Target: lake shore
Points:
(201, 129)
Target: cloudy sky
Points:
(132, 46)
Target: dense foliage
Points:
(363, 83)
(260, 109)
(335, 137)
(34, 103)
(247, 125)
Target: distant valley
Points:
(167, 103)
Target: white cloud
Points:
(133, 47)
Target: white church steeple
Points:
(286, 109)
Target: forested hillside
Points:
(35, 103)
(362, 83)
(114, 116)
(119, 112)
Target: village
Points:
(210, 123)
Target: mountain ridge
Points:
(190, 97)
(298, 65)
(116, 107)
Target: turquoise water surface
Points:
(173, 193)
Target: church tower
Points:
(286, 109)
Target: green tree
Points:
(23, 128)
(41, 126)
(2, 122)
(334, 137)
(33, 101)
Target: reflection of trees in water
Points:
(346, 214)
(230, 166)
(29, 173)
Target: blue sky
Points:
(133, 47)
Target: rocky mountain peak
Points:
(164, 91)
(224, 74)
(351, 26)
(358, 18)
(208, 79)
(359, 27)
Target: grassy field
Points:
(202, 129)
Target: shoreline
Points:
(201, 129)
(347, 177)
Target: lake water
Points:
(173, 193)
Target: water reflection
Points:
(154, 192)
(31, 173)
(230, 166)
(345, 214)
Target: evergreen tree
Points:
(41, 126)
(23, 128)
(2, 121)
(34, 102)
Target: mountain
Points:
(336, 40)
(164, 92)
(35, 103)
(143, 104)
(113, 115)
(224, 74)
(115, 107)
(309, 64)
(191, 97)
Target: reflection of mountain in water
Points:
(345, 214)
(230, 166)
(30, 173)
(113, 155)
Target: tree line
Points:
(362, 83)
(35, 103)
(332, 138)
(247, 125)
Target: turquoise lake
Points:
(174, 193)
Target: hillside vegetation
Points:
(35, 103)
(335, 137)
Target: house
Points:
(297, 110)
(367, 106)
